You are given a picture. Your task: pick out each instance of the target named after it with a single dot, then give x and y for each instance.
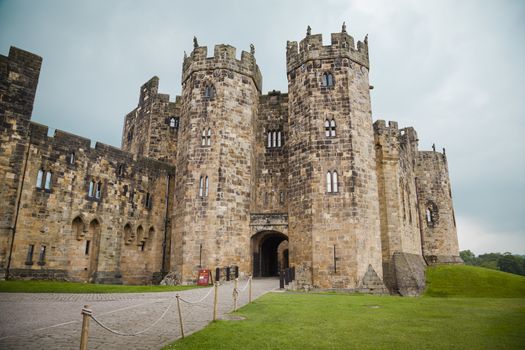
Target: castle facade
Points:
(227, 177)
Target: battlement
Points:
(149, 90)
(380, 127)
(274, 97)
(223, 58)
(311, 48)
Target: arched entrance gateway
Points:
(269, 253)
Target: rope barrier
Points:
(246, 285)
(198, 301)
(128, 334)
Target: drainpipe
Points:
(19, 198)
(420, 221)
(166, 223)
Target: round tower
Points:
(334, 232)
(215, 161)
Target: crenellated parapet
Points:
(311, 48)
(223, 58)
(387, 138)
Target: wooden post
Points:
(250, 290)
(216, 287)
(180, 317)
(86, 313)
(235, 293)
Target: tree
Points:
(468, 257)
(511, 263)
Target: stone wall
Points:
(111, 233)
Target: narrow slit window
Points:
(429, 215)
(42, 255)
(201, 186)
(206, 188)
(203, 138)
(142, 245)
(269, 139)
(47, 185)
(208, 138)
(274, 139)
(30, 251)
(39, 178)
(335, 187)
(172, 122)
(86, 250)
(72, 158)
(327, 127)
(328, 182)
(279, 139)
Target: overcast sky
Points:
(455, 70)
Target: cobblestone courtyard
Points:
(53, 321)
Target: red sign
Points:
(204, 278)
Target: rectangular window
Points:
(206, 188)
(201, 186)
(47, 185)
(39, 178)
(42, 255)
(30, 251)
(86, 251)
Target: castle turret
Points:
(438, 222)
(333, 211)
(215, 163)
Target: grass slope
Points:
(473, 282)
(464, 307)
(73, 287)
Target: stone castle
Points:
(227, 177)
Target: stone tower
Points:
(334, 232)
(215, 161)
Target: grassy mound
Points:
(75, 287)
(473, 282)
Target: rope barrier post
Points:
(216, 287)
(235, 292)
(250, 290)
(180, 317)
(86, 313)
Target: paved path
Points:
(53, 321)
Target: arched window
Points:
(201, 186)
(98, 192)
(332, 128)
(327, 80)
(206, 188)
(47, 185)
(428, 213)
(269, 139)
(203, 138)
(208, 138)
(39, 178)
(278, 139)
(172, 122)
(274, 139)
(91, 189)
(332, 185)
(209, 92)
(327, 128)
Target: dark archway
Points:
(265, 253)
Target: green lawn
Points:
(73, 287)
(473, 282)
(469, 317)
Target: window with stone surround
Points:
(39, 178)
(332, 184)
(91, 189)
(47, 184)
(71, 158)
(174, 123)
(329, 127)
(431, 214)
(203, 186)
(327, 80)
(274, 139)
(209, 92)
